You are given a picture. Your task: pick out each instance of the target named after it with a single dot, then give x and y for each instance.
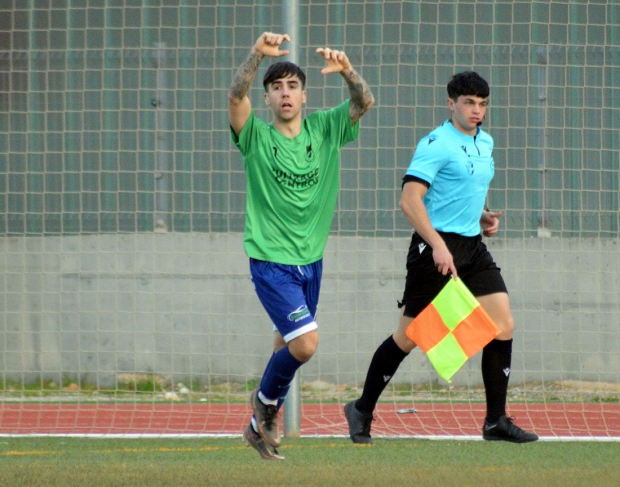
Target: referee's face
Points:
(468, 112)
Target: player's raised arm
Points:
(239, 107)
(361, 97)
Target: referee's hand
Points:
(489, 221)
(444, 262)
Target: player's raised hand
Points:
(337, 61)
(268, 44)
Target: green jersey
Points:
(292, 185)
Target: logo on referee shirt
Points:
(299, 314)
(468, 163)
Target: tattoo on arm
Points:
(242, 81)
(361, 97)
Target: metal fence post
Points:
(292, 403)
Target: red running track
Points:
(548, 420)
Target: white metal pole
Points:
(292, 403)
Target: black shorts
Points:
(473, 261)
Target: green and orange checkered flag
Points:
(452, 329)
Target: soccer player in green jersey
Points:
(292, 175)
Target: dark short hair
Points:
(468, 83)
(283, 69)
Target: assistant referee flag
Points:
(453, 328)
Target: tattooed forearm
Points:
(361, 97)
(242, 81)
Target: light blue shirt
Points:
(459, 169)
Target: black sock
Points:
(496, 359)
(383, 366)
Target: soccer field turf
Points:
(103, 462)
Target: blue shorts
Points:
(289, 294)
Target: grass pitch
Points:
(67, 462)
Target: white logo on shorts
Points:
(421, 247)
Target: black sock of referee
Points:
(496, 359)
(383, 366)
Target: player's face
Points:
(285, 97)
(468, 112)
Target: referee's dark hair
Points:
(468, 83)
(283, 69)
